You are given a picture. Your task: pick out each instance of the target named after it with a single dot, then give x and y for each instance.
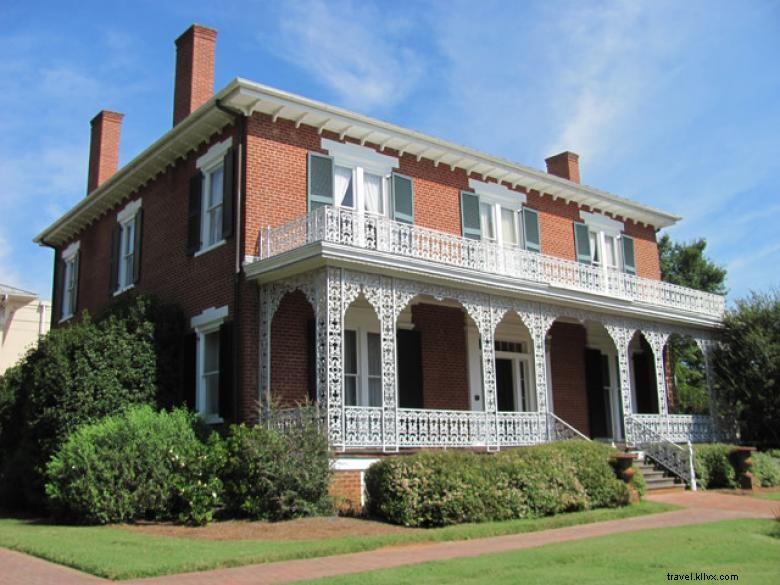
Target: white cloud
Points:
(349, 48)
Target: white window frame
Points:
(499, 197)
(602, 226)
(69, 283)
(127, 221)
(362, 160)
(363, 321)
(519, 360)
(209, 321)
(208, 164)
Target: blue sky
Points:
(673, 104)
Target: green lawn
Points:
(117, 553)
(770, 496)
(749, 549)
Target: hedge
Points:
(766, 469)
(712, 465)
(439, 488)
(139, 464)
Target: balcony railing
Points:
(371, 232)
(679, 428)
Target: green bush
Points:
(450, 487)
(712, 465)
(275, 476)
(134, 465)
(640, 483)
(76, 374)
(765, 469)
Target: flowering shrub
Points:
(449, 487)
(134, 465)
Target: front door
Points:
(598, 388)
(505, 385)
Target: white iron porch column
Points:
(621, 335)
(388, 317)
(482, 314)
(657, 341)
(329, 352)
(538, 322)
(265, 316)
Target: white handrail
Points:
(673, 457)
(372, 232)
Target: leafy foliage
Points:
(441, 488)
(747, 367)
(276, 476)
(765, 469)
(686, 265)
(712, 465)
(690, 382)
(76, 374)
(134, 465)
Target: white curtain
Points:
(344, 194)
(372, 186)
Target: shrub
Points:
(712, 465)
(76, 374)
(275, 476)
(133, 465)
(449, 487)
(640, 483)
(765, 469)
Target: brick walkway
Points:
(19, 569)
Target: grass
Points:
(116, 553)
(769, 496)
(749, 549)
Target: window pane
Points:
(215, 192)
(211, 352)
(375, 392)
(350, 390)
(372, 184)
(211, 399)
(344, 191)
(508, 226)
(486, 221)
(215, 225)
(609, 251)
(595, 248)
(374, 354)
(350, 352)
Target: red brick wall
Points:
(346, 489)
(444, 366)
(567, 355)
(648, 263)
(194, 83)
(289, 357)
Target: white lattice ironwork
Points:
(441, 428)
(355, 229)
(516, 429)
(621, 336)
(676, 459)
(657, 340)
(363, 426)
(559, 430)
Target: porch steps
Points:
(657, 478)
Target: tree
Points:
(747, 367)
(686, 265)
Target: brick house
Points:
(422, 293)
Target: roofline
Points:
(250, 97)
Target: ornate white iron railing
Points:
(680, 428)
(516, 429)
(675, 458)
(371, 232)
(441, 428)
(559, 430)
(363, 426)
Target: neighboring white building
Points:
(23, 319)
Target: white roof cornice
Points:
(250, 97)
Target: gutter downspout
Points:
(238, 277)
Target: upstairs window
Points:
(600, 241)
(361, 179)
(496, 214)
(68, 273)
(211, 199)
(126, 248)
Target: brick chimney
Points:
(103, 148)
(565, 165)
(194, 83)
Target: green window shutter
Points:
(629, 259)
(74, 304)
(533, 242)
(320, 180)
(113, 275)
(582, 243)
(469, 215)
(228, 193)
(403, 198)
(193, 213)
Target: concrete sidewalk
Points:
(699, 507)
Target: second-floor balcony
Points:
(348, 228)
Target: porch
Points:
(395, 363)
